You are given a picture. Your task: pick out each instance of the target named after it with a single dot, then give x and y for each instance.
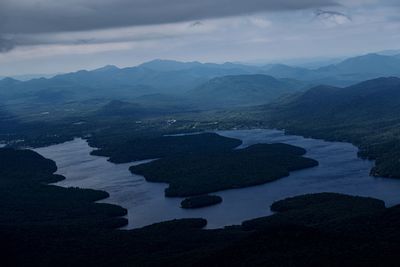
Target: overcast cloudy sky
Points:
(48, 36)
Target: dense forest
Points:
(27, 200)
(153, 147)
(200, 201)
(209, 171)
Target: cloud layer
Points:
(6, 45)
(38, 16)
(48, 35)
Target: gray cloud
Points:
(91, 22)
(329, 14)
(196, 24)
(6, 45)
(39, 16)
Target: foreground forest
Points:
(311, 230)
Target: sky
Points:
(53, 36)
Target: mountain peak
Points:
(9, 80)
(107, 68)
(370, 56)
(370, 66)
(169, 65)
(379, 82)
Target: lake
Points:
(339, 170)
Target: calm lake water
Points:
(340, 170)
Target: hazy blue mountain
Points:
(377, 99)
(350, 71)
(111, 82)
(27, 77)
(365, 114)
(392, 52)
(8, 88)
(7, 81)
(169, 65)
(371, 64)
(172, 65)
(315, 63)
(167, 77)
(285, 71)
(107, 68)
(242, 90)
(162, 76)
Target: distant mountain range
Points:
(167, 77)
(207, 84)
(174, 76)
(27, 77)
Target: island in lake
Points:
(204, 172)
(200, 201)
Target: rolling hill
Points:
(242, 90)
(377, 99)
(370, 64)
(365, 114)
